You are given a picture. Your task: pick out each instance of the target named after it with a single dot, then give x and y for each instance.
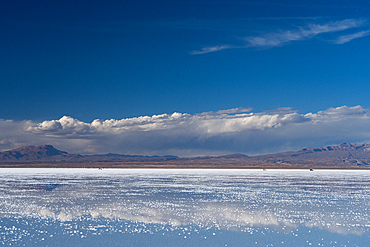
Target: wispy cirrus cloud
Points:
(205, 50)
(281, 38)
(236, 130)
(347, 38)
(228, 111)
(312, 30)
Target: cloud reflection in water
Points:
(283, 200)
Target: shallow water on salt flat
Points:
(158, 207)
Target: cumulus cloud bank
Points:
(209, 133)
(281, 38)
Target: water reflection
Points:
(185, 201)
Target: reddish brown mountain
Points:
(234, 156)
(36, 153)
(47, 153)
(345, 156)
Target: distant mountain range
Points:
(47, 153)
(344, 156)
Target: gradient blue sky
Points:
(124, 59)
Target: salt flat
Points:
(184, 201)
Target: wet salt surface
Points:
(137, 207)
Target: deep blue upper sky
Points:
(119, 59)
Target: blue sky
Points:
(88, 60)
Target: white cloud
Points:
(347, 38)
(212, 122)
(210, 133)
(64, 126)
(212, 49)
(228, 111)
(312, 30)
(302, 33)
